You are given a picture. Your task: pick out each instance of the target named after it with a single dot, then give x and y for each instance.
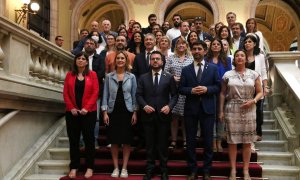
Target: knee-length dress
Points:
(120, 128)
(240, 123)
(174, 66)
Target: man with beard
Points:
(152, 21)
(200, 84)
(165, 26)
(184, 31)
(157, 95)
(97, 65)
(121, 45)
(174, 32)
(198, 22)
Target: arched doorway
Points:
(86, 11)
(188, 10)
(279, 24)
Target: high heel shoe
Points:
(173, 145)
(88, 174)
(72, 173)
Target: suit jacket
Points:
(206, 36)
(140, 65)
(210, 79)
(98, 65)
(90, 95)
(166, 94)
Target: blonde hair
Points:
(182, 39)
(128, 66)
(165, 37)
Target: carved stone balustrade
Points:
(31, 66)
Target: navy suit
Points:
(98, 65)
(156, 124)
(200, 108)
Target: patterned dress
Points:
(240, 123)
(174, 67)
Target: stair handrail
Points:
(7, 117)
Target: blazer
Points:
(210, 79)
(90, 95)
(260, 66)
(111, 86)
(140, 65)
(98, 65)
(166, 93)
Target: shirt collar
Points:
(159, 72)
(202, 62)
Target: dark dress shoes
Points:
(147, 176)
(192, 176)
(164, 176)
(206, 176)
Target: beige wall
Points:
(65, 14)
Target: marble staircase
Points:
(276, 161)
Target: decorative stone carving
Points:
(143, 2)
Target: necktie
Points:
(156, 81)
(148, 58)
(199, 74)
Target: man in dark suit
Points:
(141, 64)
(156, 95)
(200, 84)
(184, 31)
(198, 22)
(237, 38)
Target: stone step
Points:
(275, 146)
(59, 153)
(53, 166)
(279, 172)
(271, 134)
(275, 158)
(44, 177)
(268, 114)
(269, 124)
(62, 142)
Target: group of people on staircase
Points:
(162, 79)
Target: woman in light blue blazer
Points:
(119, 110)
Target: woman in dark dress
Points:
(119, 110)
(81, 91)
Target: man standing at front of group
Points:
(156, 95)
(201, 86)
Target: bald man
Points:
(106, 26)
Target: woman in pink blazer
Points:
(81, 90)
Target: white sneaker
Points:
(115, 173)
(124, 173)
(253, 150)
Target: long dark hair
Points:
(253, 37)
(132, 44)
(222, 55)
(229, 38)
(75, 68)
(188, 38)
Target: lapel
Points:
(144, 61)
(150, 80)
(126, 77)
(114, 76)
(205, 70)
(192, 70)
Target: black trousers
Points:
(207, 126)
(85, 125)
(156, 136)
(259, 116)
